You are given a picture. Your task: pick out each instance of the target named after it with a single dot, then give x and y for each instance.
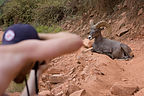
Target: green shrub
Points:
(49, 12)
(1, 2)
(49, 15)
(45, 12)
(16, 11)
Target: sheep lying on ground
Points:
(112, 48)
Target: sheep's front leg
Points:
(89, 49)
(97, 51)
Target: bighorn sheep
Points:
(113, 49)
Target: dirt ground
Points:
(92, 74)
(97, 74)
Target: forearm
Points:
(46, 36)
(57, 47)
(48, 49)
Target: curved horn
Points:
(102, 24)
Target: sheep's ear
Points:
(91, 22)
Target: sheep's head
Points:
(95, 30)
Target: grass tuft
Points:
(13, 87)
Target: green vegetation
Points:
(48, 29)
(15, 87)
(49, 12)
(16, 11)
(35, 12)
(1, 2)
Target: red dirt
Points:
(96, 73)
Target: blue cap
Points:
(19, 32)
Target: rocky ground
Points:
(92, 74)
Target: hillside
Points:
(92, 74)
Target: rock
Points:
(140, 11)
(54, 71)
(140, 93)
(56, 78)
(87, 43)
(120, 23)
(72, 88)
(123, 14)
(45, 93)
(124, 4)
(110, 21)
(94, 87)
(72, 71)
(79, 93)
(60, 94)
(123, 89)
(122, 31)
(142, 26)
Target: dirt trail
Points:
(134, 69)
